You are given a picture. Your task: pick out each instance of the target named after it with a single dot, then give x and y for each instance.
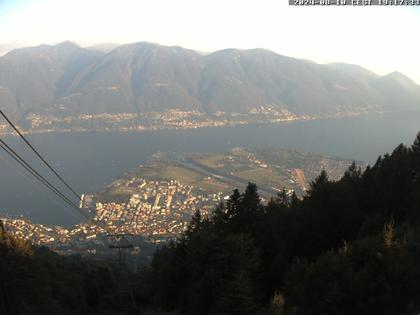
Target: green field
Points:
(213, 161)
(262, 176)
(182, 174)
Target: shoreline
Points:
(165, 128)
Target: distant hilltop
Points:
(66, 80)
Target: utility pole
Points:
(120, 242)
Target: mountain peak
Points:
(401, 79)
(104, 47)
(67, 44)
(397, 75)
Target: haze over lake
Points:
(88, 161)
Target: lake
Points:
(90, 160)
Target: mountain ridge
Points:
(68, 80)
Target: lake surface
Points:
(89, 161)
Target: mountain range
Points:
(66, 79)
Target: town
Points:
(170, 119)
(158, 211)
(154, 203)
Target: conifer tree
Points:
(416, 147)
(195, 224)
(251, 200)
(319, 182)
(234, 203)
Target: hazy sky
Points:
(382, 39)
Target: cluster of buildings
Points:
(259, 163)
(273, 112)
(83, 122)
(38, 234)
(156, 209)
(178, 119)
(169, 119)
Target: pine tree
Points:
(234, 203)
(283, 200)
(416, 147)
(319, 182)
(220, 215)
(195, 224)
(251, 200)
(294, 200)
(353, 173)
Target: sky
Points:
(382, 39)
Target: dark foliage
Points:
(36, 280)
(327, 253)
